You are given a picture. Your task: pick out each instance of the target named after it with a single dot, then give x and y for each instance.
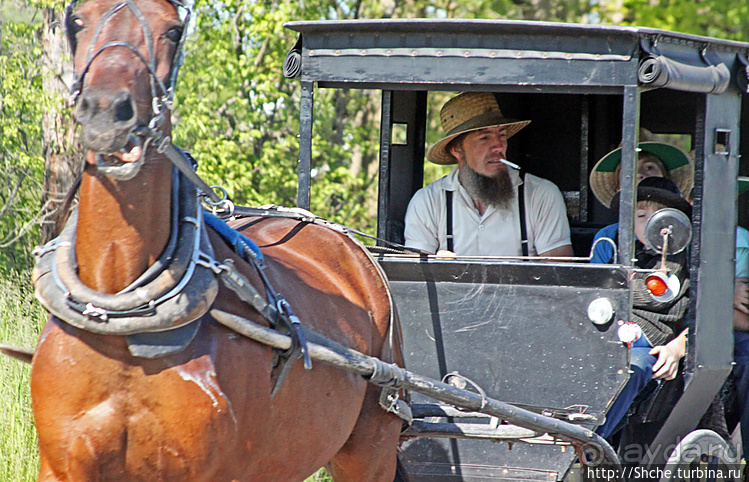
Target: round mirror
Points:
(673, 222)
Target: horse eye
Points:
(174, 34)
(75, 25)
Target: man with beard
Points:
(476, 210)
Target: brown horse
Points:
(203, 412)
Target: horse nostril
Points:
(123, 109)
(83, 110)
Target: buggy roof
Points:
(455, 54)
(494, 27)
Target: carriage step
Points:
(424, 410)
(421, 428)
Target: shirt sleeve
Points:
(604, 251)
(553, 229)
(742, 253)
(421, 230)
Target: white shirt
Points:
(497, 232)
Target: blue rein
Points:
(241, 243)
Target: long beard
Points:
(496, 191)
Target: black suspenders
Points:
(521, 212)
(449, 200)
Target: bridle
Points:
(162, 94)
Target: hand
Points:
(443, 253)
(740, 321)
(741, 295)
(669, 355)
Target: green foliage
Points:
(230, 119)
(18, 13)
(22, 104)
(59, 4)
(241, 121)
(320, 476)
(726, 19)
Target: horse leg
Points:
(370, 453)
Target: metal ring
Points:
(227, 210)
(457, 376)
(223, 209)
(163, 144)
(224, 197)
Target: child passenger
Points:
(655, 159)
(655, 354)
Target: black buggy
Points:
(522, 331)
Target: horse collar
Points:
(179, 292)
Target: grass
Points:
(21, 319)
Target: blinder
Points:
(162, 100)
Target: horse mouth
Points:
(124, 163)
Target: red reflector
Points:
(656, 284)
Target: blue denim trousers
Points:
(641, 367)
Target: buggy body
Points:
(518, 329)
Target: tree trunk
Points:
(62, 152)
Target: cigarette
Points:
(511, 164)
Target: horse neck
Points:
(122, 226)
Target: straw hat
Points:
(660, 190)
(604, 178)
(467, 112)
(743, 184)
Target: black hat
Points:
(660, 190)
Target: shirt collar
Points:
(515, 177)
(451, 180)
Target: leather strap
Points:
(449, 206)
(521, 211)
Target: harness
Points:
(178, 288)
(521, 211)
(161, 312)
(160, 318)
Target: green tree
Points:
(713, 18)
(37, 164)
(241, 122)
(22, 102)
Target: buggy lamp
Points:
(601, 311)
(662, 287)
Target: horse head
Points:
(126, 57)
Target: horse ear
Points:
(70, 27)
